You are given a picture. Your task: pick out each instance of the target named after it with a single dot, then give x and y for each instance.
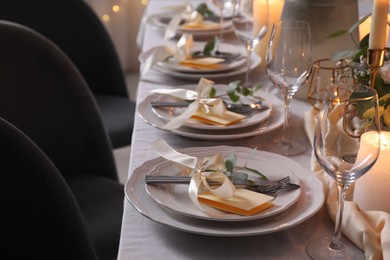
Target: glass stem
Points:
(286, 124)
(248, 62)
(337, 244)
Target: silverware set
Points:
(237, 108)
(261, 186)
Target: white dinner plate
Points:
(274, 121)
(168, 113)
(162, 20)
(175, 65)
(176, 198)
(255, 61)
(311, 200)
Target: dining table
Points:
(154, 232)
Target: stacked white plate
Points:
(174, 68)
(170, 204)
(254, 123)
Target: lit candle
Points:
(378, 32)
(275, 8)
(372, 190)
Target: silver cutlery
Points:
(237, 108)
(262, 186)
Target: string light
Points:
(115, 8)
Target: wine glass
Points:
(288, 65)
(222, 5)
(250, 22)
(346, 145)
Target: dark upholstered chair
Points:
(74, 27)
(40, 218)
(43, 94)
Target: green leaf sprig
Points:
(359, 55)
(235, 89)
(238, 172)
(204, 10)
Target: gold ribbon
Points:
(202, 102)
(211, 169)
(181, 52)
(188, 14)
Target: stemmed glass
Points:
(250, 22)
(288, 59)
(346, 145)
(222, 6)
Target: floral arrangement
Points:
(360, 71)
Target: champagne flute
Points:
(288, 65)
(346, 145)
(250, 22)
(222, 6)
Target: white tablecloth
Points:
(142, 238)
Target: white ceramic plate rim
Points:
(250, 120)
(198, 46)
(275, 120)
(310, 202)
(175, 197)
(255, 61)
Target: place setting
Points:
(191, 60)
(210, 111)
(200, 20)
(232, 187)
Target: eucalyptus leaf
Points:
(364, 42)
(204, 10)
(239, 175)
(359, 53)
(337, 34)
(230, 162)
(212, 92)
(209, 47)
(262, 176)
(233, 97)
(360, 21)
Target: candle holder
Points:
(375, 59)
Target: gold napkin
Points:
(244, 202)
(203, 63)
(203, 25)
(369, 230)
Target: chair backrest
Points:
(76, 29)
(43, 94)
(39, 216)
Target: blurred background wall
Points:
(122, 18)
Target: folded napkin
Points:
(369, 230)
(193, 20)
(225, 196)
(204, 108)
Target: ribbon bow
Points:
(212, 169)
(201, 102)
(188, 14)
(181, 52)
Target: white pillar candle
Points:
(275, 8)
(372, 190)
(378, 32)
